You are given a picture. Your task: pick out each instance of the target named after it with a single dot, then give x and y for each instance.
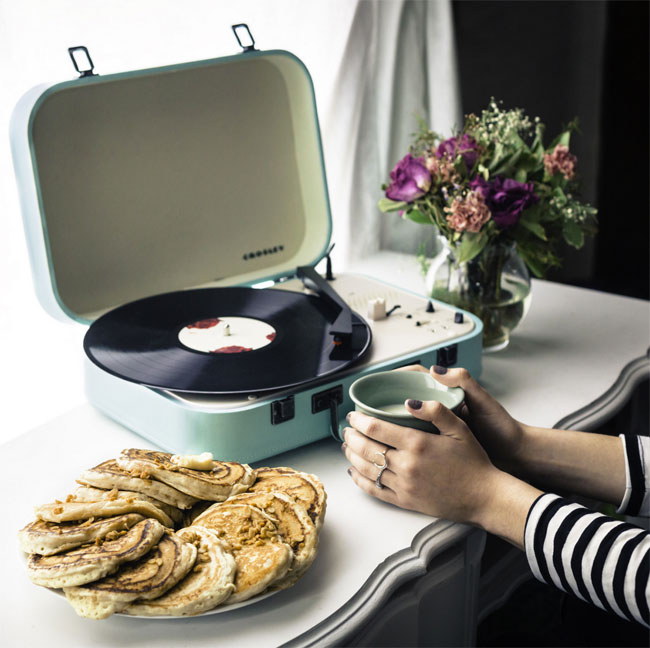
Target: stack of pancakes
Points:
(144, 536)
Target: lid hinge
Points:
(90, 70)
(247, 47)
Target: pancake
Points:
(91, 562)
(191, 514)
(261, 555)
(209, 583)
(90, 494)
(226, 478)
(259, 567)
(74, 511)
(166, 564)
(306, 488)
(48, 538)
(294, 526)
(109, 475)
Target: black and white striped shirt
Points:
(599, 559)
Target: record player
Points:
(180, 211)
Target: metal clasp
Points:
(250, 47)
(90, 71)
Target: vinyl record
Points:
(223, 340)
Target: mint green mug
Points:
(382, 395)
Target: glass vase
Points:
(494, 285)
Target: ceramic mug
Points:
(382, 395)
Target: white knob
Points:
(377, 309)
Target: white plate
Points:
(218, 610)
(226, 607)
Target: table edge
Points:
(398, 568)
(610, 402)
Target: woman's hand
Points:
(500, 434)
(444, 475)
(563, 460)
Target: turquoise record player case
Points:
(201, 174)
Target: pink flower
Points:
(442, 169)
(560, 160)
(469, 213)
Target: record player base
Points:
(238, 429)
(250, 428)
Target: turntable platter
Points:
(224, 340)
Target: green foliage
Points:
(422, 258)
(531, 220)
(388, 205)
(472, 244)
(418, 217)
(537, 255)
(573, 234)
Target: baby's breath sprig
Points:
(424, 140)
(498, 126)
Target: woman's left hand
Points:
(446, 475)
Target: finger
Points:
(463, 413)
(386, 494)
(366, 448)
(389, 434)
(413, 367)
(443, 418)
(370, 471)
(460, 377)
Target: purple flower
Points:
(410, 179)
(506, 198)
(465, 145)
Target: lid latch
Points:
(248, 45)
(90, 69)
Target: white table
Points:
(576, 357)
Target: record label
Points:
(227, 335)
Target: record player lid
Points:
(199, 174)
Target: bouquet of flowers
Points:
(494, 182)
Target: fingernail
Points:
(348, 415)
(414, 404)
(439, 369)
(343, 447)
(350, 472)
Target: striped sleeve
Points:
(601, 560)
(636, 500)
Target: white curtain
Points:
(399, 63)
(398, 60)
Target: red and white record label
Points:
(227, 335)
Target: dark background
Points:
(558, 60)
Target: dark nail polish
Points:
(350, 472)
(439, 370)
(414, 404)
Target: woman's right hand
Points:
(500, 435)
